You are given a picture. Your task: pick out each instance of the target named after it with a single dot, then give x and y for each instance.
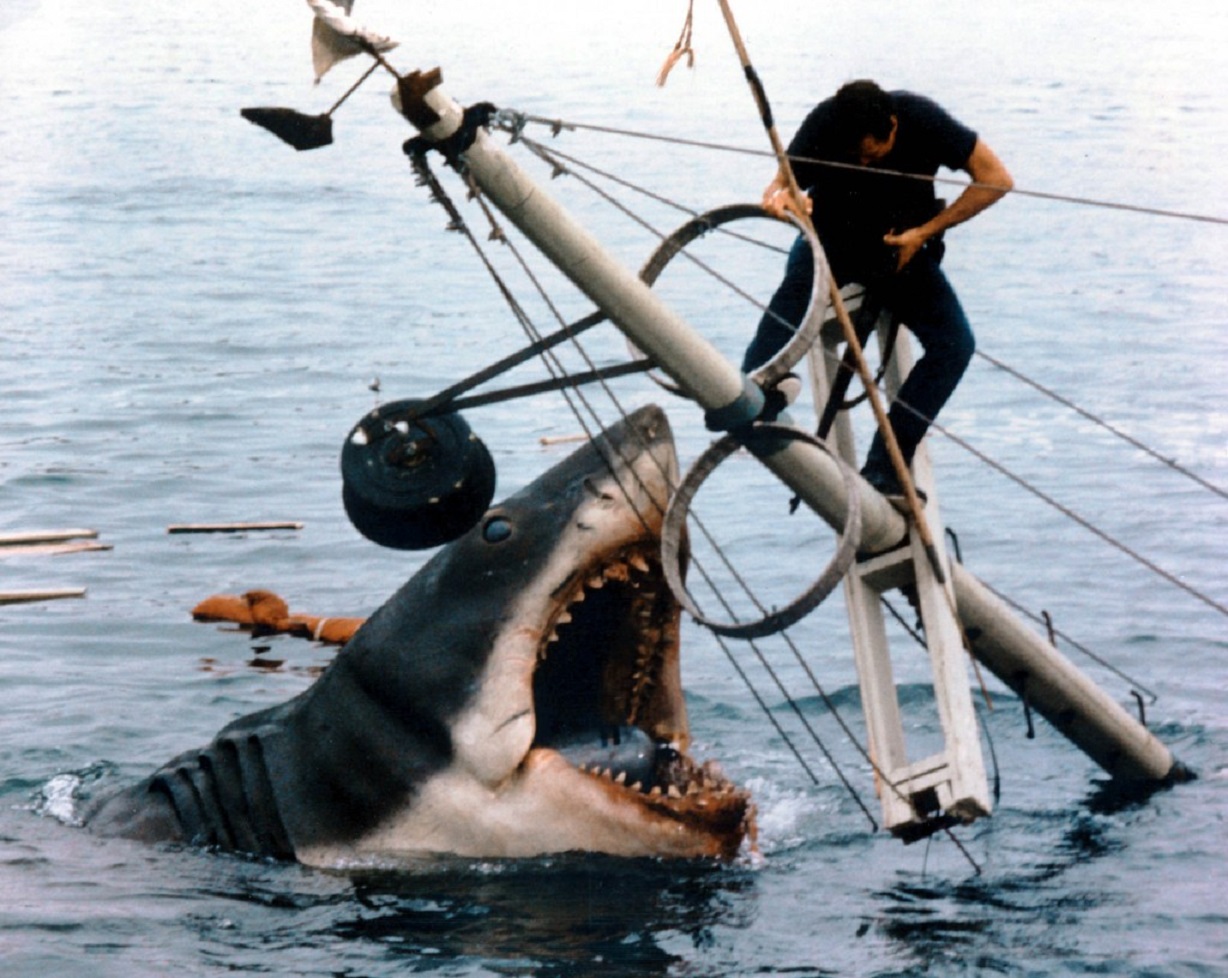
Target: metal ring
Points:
(803, 338)
(833, 573)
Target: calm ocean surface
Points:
(191, 314)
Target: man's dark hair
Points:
(862, 109)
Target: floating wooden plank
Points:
(45, 549)
(561, 439)
(27, 537)
(231, 527)
(43, 594)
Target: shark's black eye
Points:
(496, 530)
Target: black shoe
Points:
(889, 485)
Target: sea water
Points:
(192, 316)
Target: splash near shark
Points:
(520, 695)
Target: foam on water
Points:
(59, 799)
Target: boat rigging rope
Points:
(448, 399)
(681, 47)
(416, 150)
(554, 155)
(559, 125)
(1072, 515)
(1066, 402)
(1058, 633)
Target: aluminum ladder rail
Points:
(914, 795)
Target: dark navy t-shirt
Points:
(853, 209)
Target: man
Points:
(884, 230)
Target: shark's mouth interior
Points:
(606, 694)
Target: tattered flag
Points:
(335, 37)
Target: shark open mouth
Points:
(607, 697)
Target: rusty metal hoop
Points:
(833, 573)
(791, 353)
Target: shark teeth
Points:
(681, 785)
(638, 638)
(655, 628)
(618, 571)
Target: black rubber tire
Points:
(410, 483)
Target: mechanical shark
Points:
(520, 695)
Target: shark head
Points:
(536, 660)
(519, 695)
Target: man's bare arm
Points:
(991, 181)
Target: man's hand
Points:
(907, 244)
(990, 182)
(778, 202)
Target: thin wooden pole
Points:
(232, 527)
(802, 210)
(26, 537)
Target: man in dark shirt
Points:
(884, 231)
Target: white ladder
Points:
(920, 796)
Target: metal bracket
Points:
(413, 88)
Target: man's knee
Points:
(963, 344)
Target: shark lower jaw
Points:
(611, 719)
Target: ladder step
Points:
(920, 775)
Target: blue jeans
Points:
(920, 297)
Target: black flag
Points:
(299, 130)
